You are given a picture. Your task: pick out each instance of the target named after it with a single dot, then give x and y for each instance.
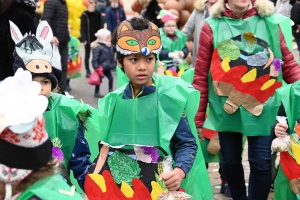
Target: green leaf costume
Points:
(151, 120)
(234, 89)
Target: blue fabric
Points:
(80, 160)
(259, 154)
(183, 144)
(111, 17)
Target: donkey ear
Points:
(44, 31)
(15, 32)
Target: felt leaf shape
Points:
(225, 64)
(123, 168)
(249, 76)
(296, 152)
(156, 190)
(228, 48)
(250, 37)
(126, 189)
(268, 84)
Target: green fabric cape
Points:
(242, 120)
(152, 120)
(48, 189)
(61, 122)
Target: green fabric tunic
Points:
(152, 120)
(61, 122)
(226, 32)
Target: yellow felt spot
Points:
(156, 190)
(225, 64)
(124, 28)
(126, 189)
(180, 72)
(250, 37)
(249, 76)
(296, 152)
(268, 84)
(99, 180)
(169, 72)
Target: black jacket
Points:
(56, 14)
(24, 17)
(91, 22)
(103, 56)
(295, 16)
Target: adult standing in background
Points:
(114, 15)
(91, 22)
(195, 22)
(22, 13)
(56, 14)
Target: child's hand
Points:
(173, 179)
(181, 54)
(280, 129)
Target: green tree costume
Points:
(152, 121)
(228, 85)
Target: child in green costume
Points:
(144, 121)
(65, 118)
(27, 166)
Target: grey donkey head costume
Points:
(34, 52)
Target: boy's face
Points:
(45, 84)
(139, 69)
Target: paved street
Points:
(82, 90)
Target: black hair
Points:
(137, 24)
(5, 5)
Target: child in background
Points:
(174, 49)
(27, 166)
(74, 59)
(148, 115)
(65, 119)
(103, 56)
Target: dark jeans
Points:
(259, 155)
(87, 57)
(63, 51)
(110, 81)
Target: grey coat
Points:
(194, 25)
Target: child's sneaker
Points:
(225, 190)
